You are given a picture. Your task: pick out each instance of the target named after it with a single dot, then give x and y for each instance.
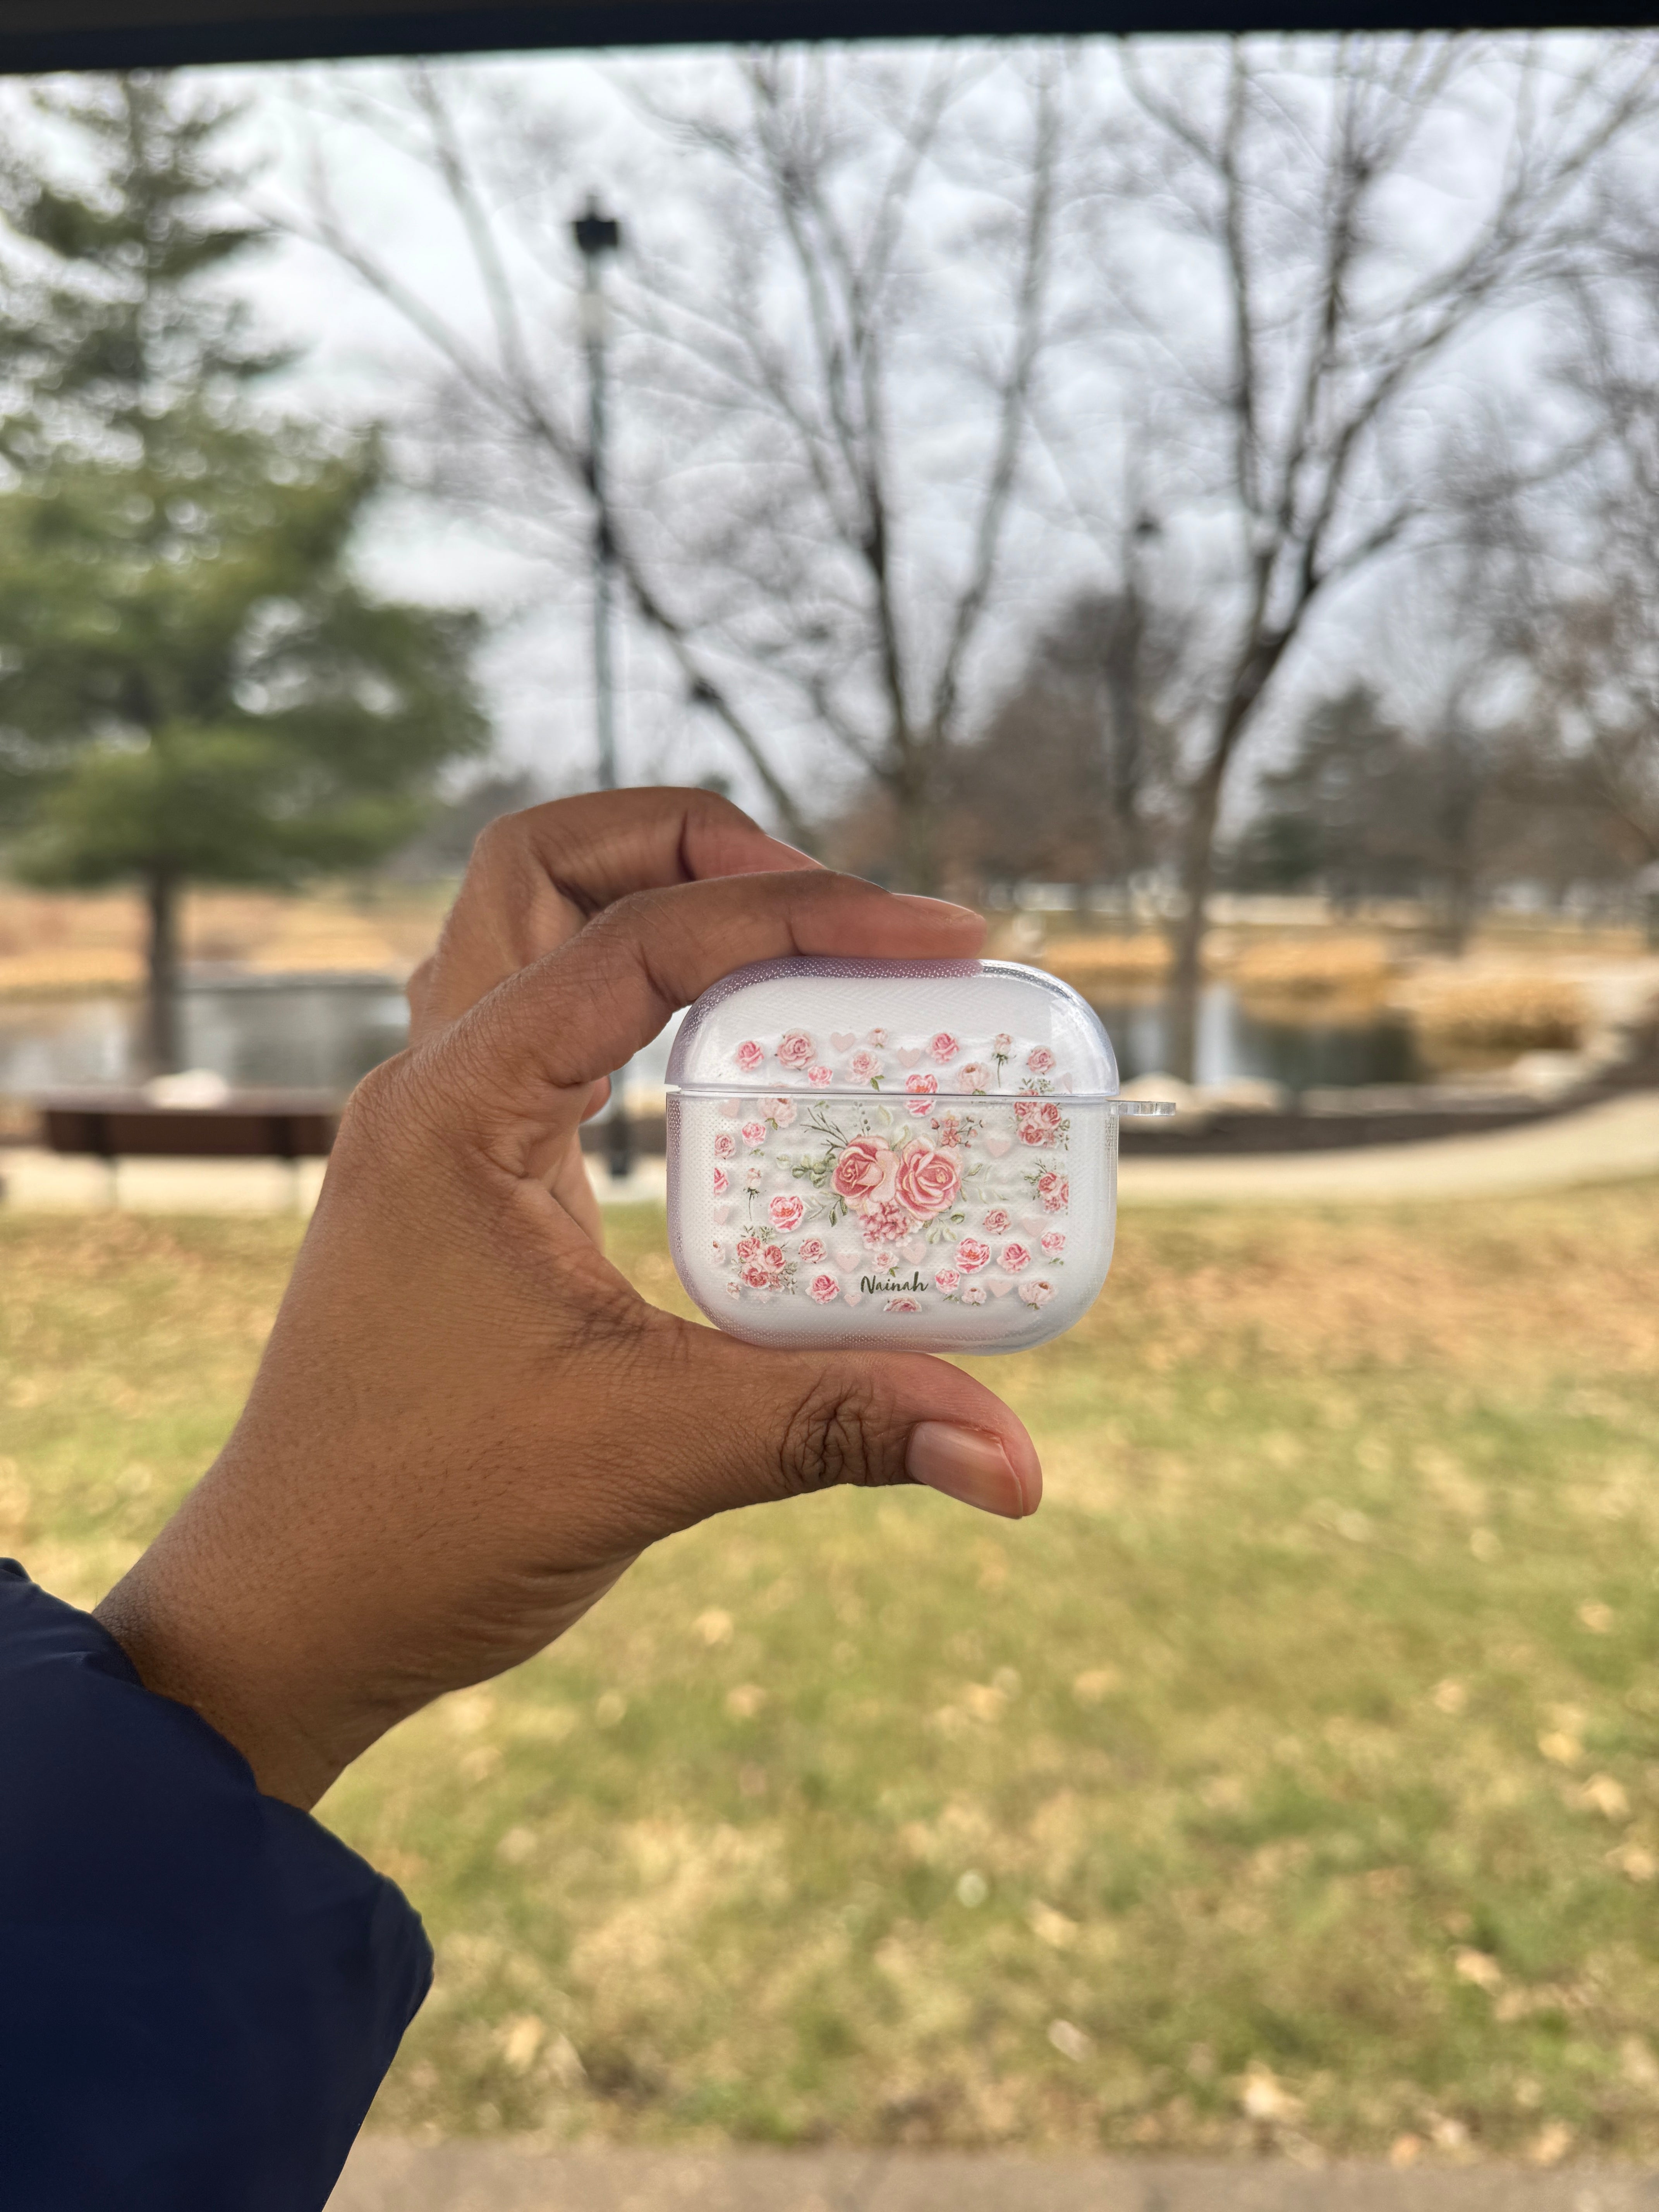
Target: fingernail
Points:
(966, 1464)
(940, 910)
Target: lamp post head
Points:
(596, 234)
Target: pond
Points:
(324, 1032)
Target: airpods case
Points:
(893, 1153)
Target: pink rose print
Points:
(1002, 1044)
(885, 1224)
(1053, 1243)
(733, 1288)
(902, 1306)
(754, 1133)
(864, 1173)
(1037, 1292)
(921, 1083)
(1015, 1259)
(997, 1220)
(749, 1055)
(772, 1258)
(754, 1176)
(724, 1145)
(877, 1038)
(972, 1255)
(973, 1294)
(1038, 1120)
(748, 1247)
(781, 1111)
(811, 1251)
(786, 1211)
(819, 1075)
(927, 1181)
(756, 1278)
(946, 1278)
(824, 1288)
(1054, 1190)
(796, 1049)
(948, 1128)
(722, 1182)
(883, 1260)
(944, 1047)
(864, 1066)
(975, 1076)
(1040, 1060)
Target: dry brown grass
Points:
(1497, 1012)
(1086, 963)
(1308, 967)
(60, 944)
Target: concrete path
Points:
(1609, 1143)
(385, 2175)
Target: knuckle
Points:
(838, 1433)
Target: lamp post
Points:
(597, 237)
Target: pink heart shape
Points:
(1001, 1286)
(915, 1248)
(1034, 1223)
(852, 1297)
(842, 1040)
(909, 1055)
(997, 1145)
(847, 1259)
(730, 1109)
(721, 1214)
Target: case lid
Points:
(950, 1029)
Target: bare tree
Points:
(1343, 278)
(804, 573)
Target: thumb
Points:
(763, 1425)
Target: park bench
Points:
(112, 1125)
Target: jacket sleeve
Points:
(200, 1987)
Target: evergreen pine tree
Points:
(194, 685)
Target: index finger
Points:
(516, 1071)
(536, 877)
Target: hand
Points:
(466, 1424)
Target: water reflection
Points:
(1234, 1040)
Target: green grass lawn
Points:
(1292, 1779)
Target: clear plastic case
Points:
(918, 1153)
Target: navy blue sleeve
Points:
(200, 1987)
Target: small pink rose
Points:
(722, 1182)
(749, 1055)
(1040, 1060)
(724, 1145)
(772, 1258)
(748, 1247)
(786, 1211)
(864, 1066)
(1016, 1258)
(972, 1255)
(1002, 1044)
(923, 1084)
(902, 1306)
(1054, 1190)
(946, 1278)
(796, 1051)
(1053, 1243)
(812, 1251)
(975, 1076)
(927, 1180)
(1036, 1292)
(824, 1288)
(733, 1287)
(877, 1038)
(972, 1294)
(754, 1133)
(756, 1278)
(819, 1075)
(754, 1176)
(1038, 1120)
(997, 1219)
(864, 1171)
(779, 1110)
(944, 1047)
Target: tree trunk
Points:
(918, 843)
(163, 1045)
(1197, 868)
